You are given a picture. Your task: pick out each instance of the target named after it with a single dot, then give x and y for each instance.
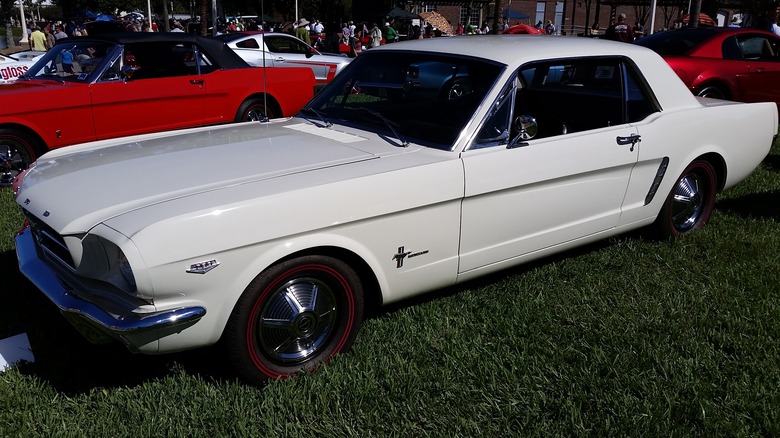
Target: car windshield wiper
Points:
(390, 124)
(319, 115)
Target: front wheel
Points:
(690, 203)
(293, 317)
(256, 110)
(17, 152)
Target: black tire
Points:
(255, 110)
(312, 307)
(712, 91)
(689, 204)
(17, 151)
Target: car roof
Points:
(518, 49)
(223, 55)
(686, 40)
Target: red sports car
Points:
(724, 63)
(114, 85)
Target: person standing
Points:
(620, 30)
(391, 35)
(302, 30)
(375, 37)
(60, 34)
(549, 28)
(37, 40)
(50, 40)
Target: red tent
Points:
(704, 20)
(523, 29)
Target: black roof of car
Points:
(222, 55)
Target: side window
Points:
(155, 60)
(251, 43)
(285, 45)
(640, 101)
(555, 98)
(571, 95)
(495, 130)
(757, 47)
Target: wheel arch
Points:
(372, 295)
(719, 164)
(269, 99)
(718, 82)
(40, 146)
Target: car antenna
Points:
(265, 73)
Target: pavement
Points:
(12, 50)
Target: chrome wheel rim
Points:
(11, 162)
(255, 115)
(297, 320)
(688, 202)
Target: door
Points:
(163, 91)
(287, 51)
(562, 171)
(762, 81)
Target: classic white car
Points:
(284, 50)
(15, 65)
(423, 165)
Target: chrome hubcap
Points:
(11, 164)
(255, 115)
(297, 320)
(688, 202)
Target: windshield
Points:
(417, 97)
(74, 61)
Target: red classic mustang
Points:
(95, 88)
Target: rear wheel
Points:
(713, 92)
(17, 152)
(293, 317)
(256, 110)
(690, 203)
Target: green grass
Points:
(626, 337)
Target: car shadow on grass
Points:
(70, 363)
(764, 205)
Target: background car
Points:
(283, 50)
(13, 66)
(93, 88)
(423, 165)
(723, 63)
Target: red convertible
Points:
(87, 89)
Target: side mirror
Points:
(127, 72)
(526, 128)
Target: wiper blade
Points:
(390, 124)
(319, 115)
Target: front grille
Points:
(50, 242)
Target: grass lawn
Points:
(625, 337)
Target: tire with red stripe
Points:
(689, 204)
(293, 317)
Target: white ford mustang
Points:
(13, 66)
(422, 165)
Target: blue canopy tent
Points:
(512, 14)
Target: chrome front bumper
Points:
(132, 329)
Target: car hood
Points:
(77, 187)
(24, 95)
